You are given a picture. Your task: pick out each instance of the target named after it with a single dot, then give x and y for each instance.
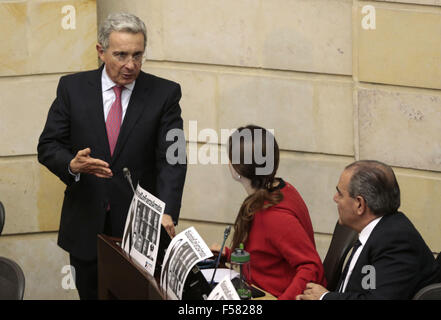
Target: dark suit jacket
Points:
(76, 121)
(403, 263)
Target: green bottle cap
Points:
(240, 255)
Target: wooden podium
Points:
(120, 277)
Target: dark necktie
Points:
(356, 245)
(113, 122)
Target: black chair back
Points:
(2, 217)
(342, 240)
(12, 280)
(432, 291)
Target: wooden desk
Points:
(120, 277)
(268, 296)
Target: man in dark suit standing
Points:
(101, 122)
(390, 259)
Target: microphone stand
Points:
(129, 231)
(226, 234)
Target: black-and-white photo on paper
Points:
(143, 228)
(224, 291)
(184, 251)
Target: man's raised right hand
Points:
(83, 163)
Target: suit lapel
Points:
(134, 111)
(97, 111)
(364, 259)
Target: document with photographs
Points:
(143, 228)
(184, 251)
(224, 291)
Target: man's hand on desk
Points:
(168, 224)
(312, 292)
(83, 163)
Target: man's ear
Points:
(100, 50)
(361, 205)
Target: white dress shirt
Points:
(362, 237)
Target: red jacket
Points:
(282, 249)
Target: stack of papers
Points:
(220, 274)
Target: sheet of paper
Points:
(220, 274)
(224, 290)
(143, 229)
(185, 250)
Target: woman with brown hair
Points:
(273, 222)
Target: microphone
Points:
(226, 234)
(128, 176)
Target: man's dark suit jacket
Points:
(403, 263)
(76, 121)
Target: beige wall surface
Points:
(41, 41)
(337, 80)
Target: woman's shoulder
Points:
(292, 203)
(290, 193)
(275, 217)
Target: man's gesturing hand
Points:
(83, 163)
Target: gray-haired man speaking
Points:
(101, 122)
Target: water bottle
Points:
(240, 263)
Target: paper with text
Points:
(143, 229)
(184, 251)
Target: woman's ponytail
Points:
(259, 200)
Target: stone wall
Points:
(331, 88)
(41, 40)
